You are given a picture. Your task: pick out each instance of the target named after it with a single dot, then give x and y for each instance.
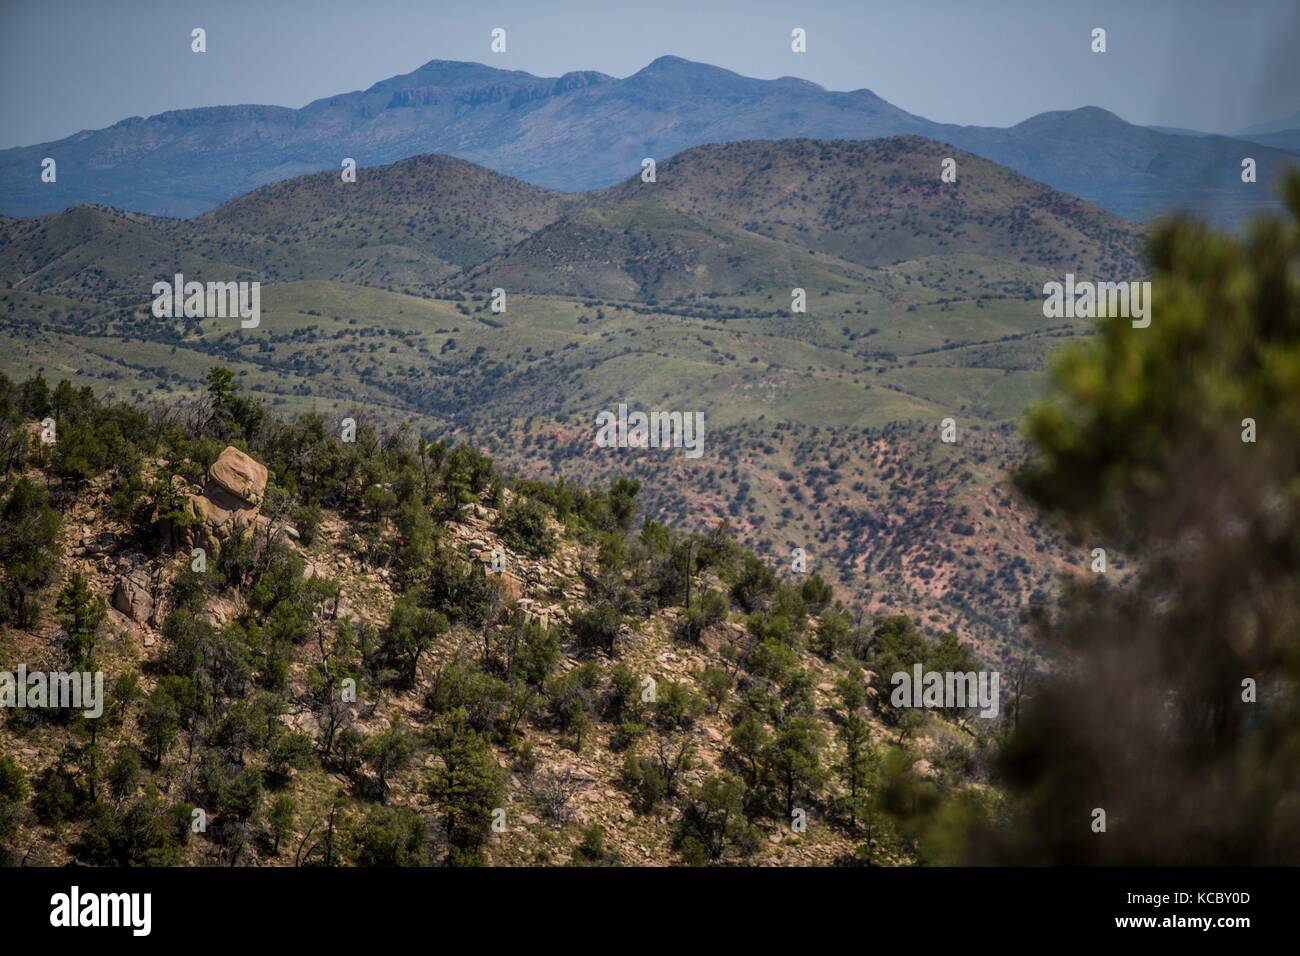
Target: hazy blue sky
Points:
(67, 65)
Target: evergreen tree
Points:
(80, 613)
(468, 785)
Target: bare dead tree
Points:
(555, 791)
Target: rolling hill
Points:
(102, 254)
(882, 202)
(725, 220)
(643, 250)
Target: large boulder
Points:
(133, 596)
(231, 500)
(239, 475)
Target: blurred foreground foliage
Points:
(1142, 449)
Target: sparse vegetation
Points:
(674, 667)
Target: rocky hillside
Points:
(383, 652)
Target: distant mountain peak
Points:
(798, 83)
(452, 73)
(437, 64)
(1097, 112)
(466, 67)
(670, 62)
(676, 66)
(1088, 114)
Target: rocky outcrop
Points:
(220, 512)
(239, 475)
(540, 586)
(133, 596)
(231, 501)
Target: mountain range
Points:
(586, 130)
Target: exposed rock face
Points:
(230, 501)
(511, 586)
(133, 596)
(239, 475)
(220, 511)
